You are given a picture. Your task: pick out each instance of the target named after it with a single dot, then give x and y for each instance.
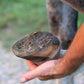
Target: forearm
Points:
(76, 50)
(75, 54)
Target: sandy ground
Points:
(12, 67)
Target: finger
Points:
(29, 76)
(31, 65)
(32, 74)
(39, 71)
(42, 78)
(45, 78)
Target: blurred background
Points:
(19, 18)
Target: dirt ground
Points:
(12, 67)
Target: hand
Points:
(48, 70)
(61, 67)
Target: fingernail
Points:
(23, 80)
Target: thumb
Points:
(31, 65)
(29, 76)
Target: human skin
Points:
(53, 69)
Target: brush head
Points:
(37, 47)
